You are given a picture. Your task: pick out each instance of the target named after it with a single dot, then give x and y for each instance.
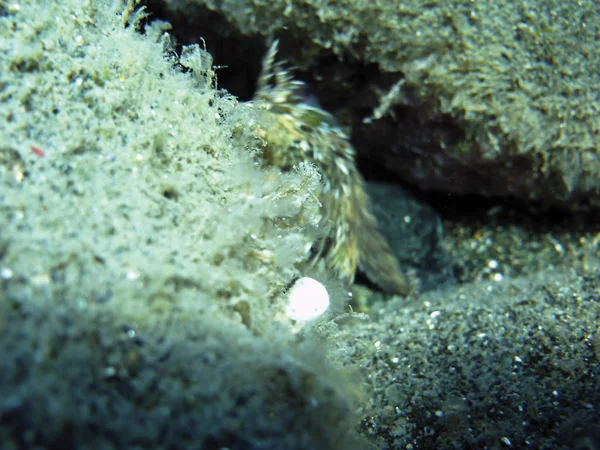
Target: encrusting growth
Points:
(297, 132)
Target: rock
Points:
(415, 233)
(495, 99)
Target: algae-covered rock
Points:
(490, 98)
(143, 253)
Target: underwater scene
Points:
(299, 224)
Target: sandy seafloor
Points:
(135, 312)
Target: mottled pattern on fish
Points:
(296, 132)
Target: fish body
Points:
(297, 131)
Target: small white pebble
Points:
(307, 300)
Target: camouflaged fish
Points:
(297, 132)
